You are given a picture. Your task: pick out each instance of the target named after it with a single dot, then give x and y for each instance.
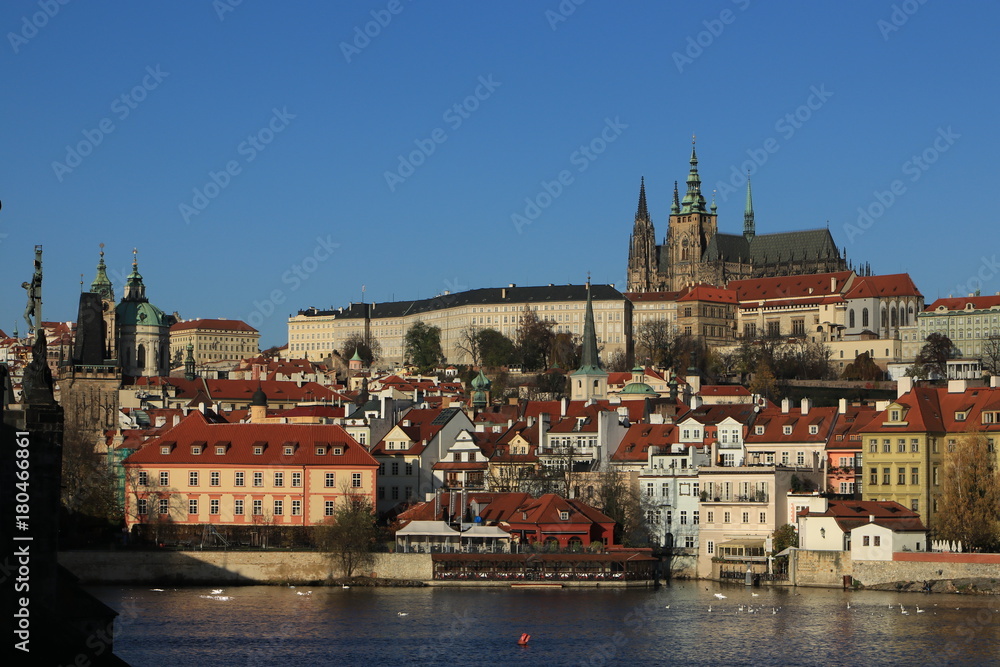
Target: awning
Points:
(748, 542)
(427, 528)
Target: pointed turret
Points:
(135, 290)
(189, 373)
(693, 201)
(590, 380)
(748, 225)
(102, 284)
(675, 208)
(641, 212)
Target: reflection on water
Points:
(684, 624)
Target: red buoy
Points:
(523, 641)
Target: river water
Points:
(680, 624)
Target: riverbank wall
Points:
(232, 567)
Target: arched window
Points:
(892, 313)
(885, 318)
(852, 319)
(140, 357)
(864, 318)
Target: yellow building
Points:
(213, 340)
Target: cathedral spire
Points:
(135, 290)
(748, 225)
(642, 213)
(693, 201)
(675, 208)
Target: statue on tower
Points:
(33, 310)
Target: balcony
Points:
(735, 498)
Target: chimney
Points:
(842, 406)
(201, 408)
(957, 386)
(562, 407)
(543, 426)
(805, 405)
(871, 518)
(994, 381)
(903, 386)
(786, 405)
(833, 284)
(696, 402)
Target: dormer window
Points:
(787, 430)
(220, 450)
(758, 430)
(258, 450)
(288, 450)
(337, 451)
(564, 516)
(320, 451)
(165, 449)
(813, 429)
(196, 449)
(960, 416)
(894, 415)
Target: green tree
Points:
(497, 350)
(784, 537)
(422, 345)
(970, 495)
(935, 353)
(350, 535)
(369, 350)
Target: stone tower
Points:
(691, 227)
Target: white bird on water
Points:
(720, 596)
(345, 586)
(217, 591)
(755, 595)
(156, 590)
(402, 613)
(710, 608)
(848, 605)
(667, 607)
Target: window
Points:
(395, 467)
(746, 517)
(695, 519)
(915, 476)
(763, 517)
(670, 517)
(238, 507)
(784, 458)
(143, 506)
(878, 540)
(813, 429)
(214, 478)
(258, 450)
(787, 430)
(684, 517)
(320, 451)
(239, 481)
(296, 508)
(935, 476)
(330, 480)
(726, 517)
(328, 508)
(914, 445)
(279, 479)
(710, 547)
(847, 488)
(355, 480)
(564, 516)
(165, 449)
(143, 478)
(192, 478)
(337, 451)
(409, 469)
(873, 447)
(758, 430)
(220, 450)
(689, 542)
(395, 493)
(192, 506)
(279, 507)
(258, 479)
(164, 478)
(213, 506)
(296, 479)
(951, 445)
(381, 493)
(901, 475)
(711, 517)
(901, 446)
(258, 508)
(887, 475)
(800, 458)
(288, 450)
(163, 506)
(649, 489)
(886, 447)
(865, 541)
(915, 506)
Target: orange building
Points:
(203, 472)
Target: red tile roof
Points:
(634, 447)
(894, 284)
(786, 287)
(225, 325)
(242, 438)
(850, 514)
(708, 293)
(959, 303)
(724, 390)
(774, 422)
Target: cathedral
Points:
(695, 252)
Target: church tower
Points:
(642, 251)
(691, 227)
(590, 380)
(143, 331)
(103, 287)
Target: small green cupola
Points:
(480, 388)
(102, 284)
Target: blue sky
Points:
(248, 159)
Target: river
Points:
(680, 624)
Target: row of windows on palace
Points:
(915, 443)
(239, 479)
(239, 507)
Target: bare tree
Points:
(970, 498)
(654, 341)
(991, 355)
(469, 342)
(350, 534)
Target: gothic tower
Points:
(691, 227)
(590, 380)
(642, 253)
(103, 287)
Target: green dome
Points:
(481, 382)
(639, 388)
(139, 313)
